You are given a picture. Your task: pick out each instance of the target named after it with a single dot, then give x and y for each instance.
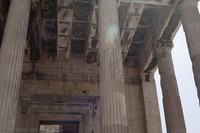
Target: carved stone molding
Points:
(186, 3)
(60, 99)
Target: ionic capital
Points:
(163, 50)
(162, 44)
(163, 56)
(186, 3)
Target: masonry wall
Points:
(73, 79)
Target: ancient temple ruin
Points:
(87, 66)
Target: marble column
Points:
(112, 89)
(191, 24)
(171, 100)
(152, 113)
(11, 60)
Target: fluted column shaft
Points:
(191, 24)
(11, 60)
(112, 90)
(171, 100)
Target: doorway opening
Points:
(59, 127)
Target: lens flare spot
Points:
(111, 33)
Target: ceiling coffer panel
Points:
(63, 28)
(128, 24)
(64, 22)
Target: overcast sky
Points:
(187, 88)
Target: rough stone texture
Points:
(152, 112)
(11, 59)
(36, 109)
(48, 82)
(51, 79)
(50, 109)
(171, 99)
(135, 109)
(112, 90)
(20, 119)
(191, 23)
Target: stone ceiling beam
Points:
(130, 26)
(161, 25)
(64, 24)
(92, 41)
